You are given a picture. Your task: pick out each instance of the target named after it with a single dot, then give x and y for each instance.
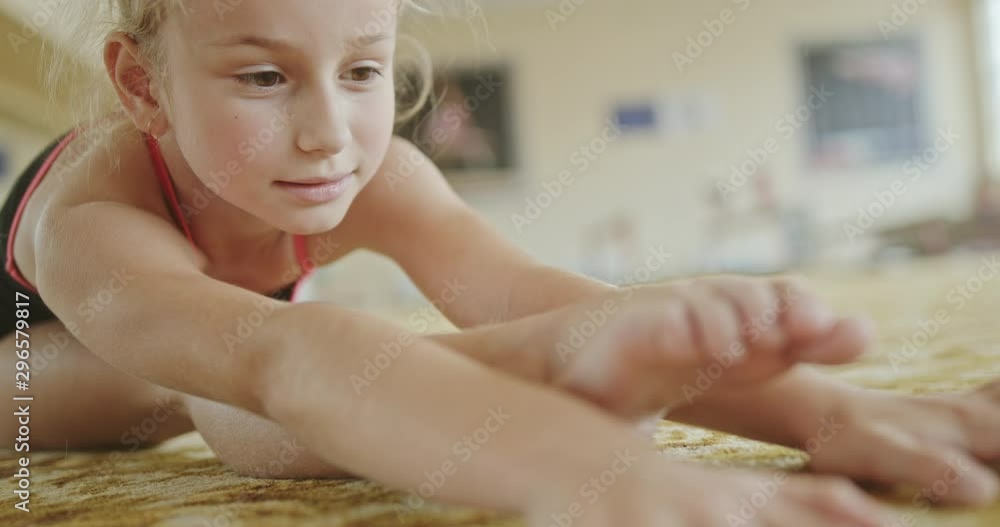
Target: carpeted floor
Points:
(180, 483)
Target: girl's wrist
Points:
(570, 492)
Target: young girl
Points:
(161, 244)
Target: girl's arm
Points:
(404, 412)
(474, 273)
(443, 241)
(354, 389)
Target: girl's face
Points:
(265, 93)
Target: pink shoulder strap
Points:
(11, 267)
(163, 174)
(166, 184)
(301, 254)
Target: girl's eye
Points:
(365, 74)
(260, 79)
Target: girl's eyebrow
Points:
(253, 41)
(364, 40)
(361, 41)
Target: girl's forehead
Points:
(341, 19)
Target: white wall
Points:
(566, 80)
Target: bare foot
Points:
(643, 350)
(637, 351)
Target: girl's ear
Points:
(132, 77)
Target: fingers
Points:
(795, 514)
(846, 341)
(978, 418)
(840, 502)
(976, 484)
(993, 389)
(986, 433)
(944, 475)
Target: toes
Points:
(713, 320)
(846, 341)
(804, 317)
(756, 303)
(673, 340)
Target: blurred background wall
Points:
(568, 80)
(690, 94)
(25, 123)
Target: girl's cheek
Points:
(245, 139)
(376, 123)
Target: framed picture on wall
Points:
(864, 102)
(466, 128)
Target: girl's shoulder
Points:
(89, 165)
(102, 165)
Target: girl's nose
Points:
(324, 124)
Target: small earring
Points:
(149, 127)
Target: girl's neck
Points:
(224, 232)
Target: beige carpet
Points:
(180, 483)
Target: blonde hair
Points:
(71, 74)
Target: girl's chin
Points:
(316, 221)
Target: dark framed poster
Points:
(864, 102)
(466, 127)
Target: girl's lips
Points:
(323, 192)
(318, 181)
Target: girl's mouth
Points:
(317, 190)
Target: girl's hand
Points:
(663, 493)
(637, 351)
(935, 443)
